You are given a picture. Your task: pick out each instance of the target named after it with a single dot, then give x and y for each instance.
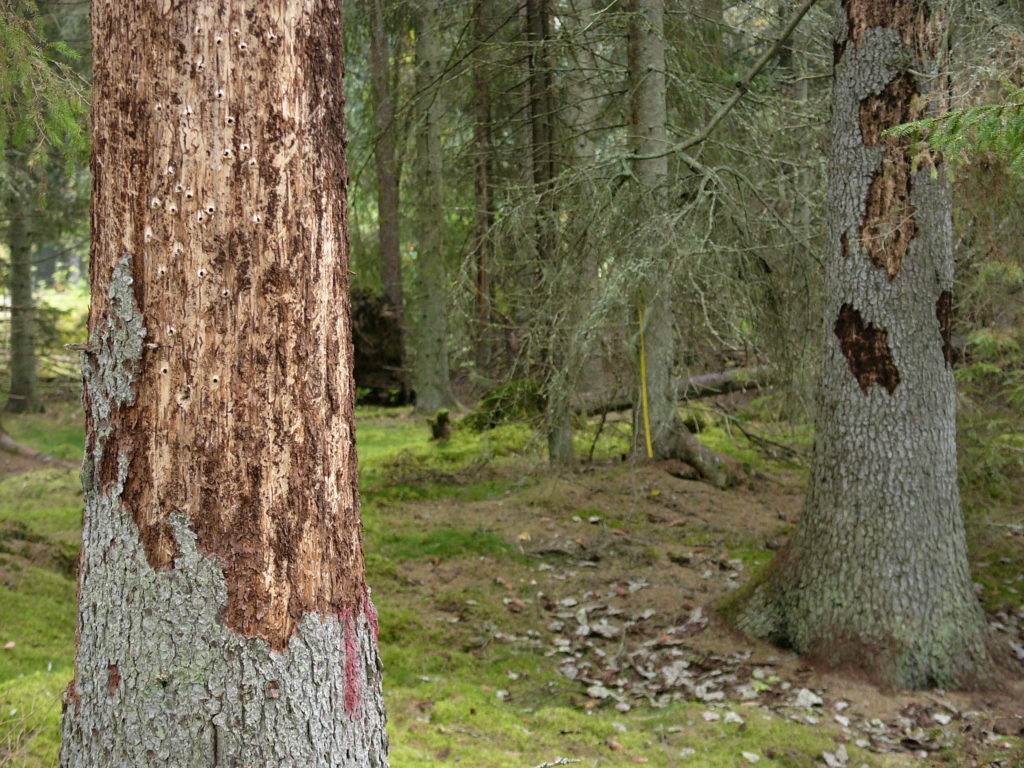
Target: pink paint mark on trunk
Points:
(370, 611)
(353, 685)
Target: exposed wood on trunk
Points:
(222, 565)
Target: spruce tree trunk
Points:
(386, 166)
(24, 394)
(484, 342)
(669, 437)
(876, 577)
(223, 614)
(431, 378)
(557, 412)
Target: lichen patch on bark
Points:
(866, 349)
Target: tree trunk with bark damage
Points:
(223, 614)
(669, 437)
(385, 164)
(24, 394)
(431, 378)
(876, 577)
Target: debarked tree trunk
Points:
(224, 619)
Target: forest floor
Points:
(528, 616)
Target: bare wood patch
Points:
(866, 349)
(889, 223)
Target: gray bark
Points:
(24, 394)
(669, 437)
(876, 576)
(385, 164)
(431, 377)
(557, 424)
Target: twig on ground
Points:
(559, 761)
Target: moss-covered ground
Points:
(471, 547)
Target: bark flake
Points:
(866, 349)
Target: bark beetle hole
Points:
(201, 272)
(227, 154)
(252, 162)
(866, 349)
(158, 106)
(154, 203)
(215, 379)
(161, 271)
(218, 39)
(210, 209)
(242, 46)
(172, 208)
(199, 216)
(224, 294)
(257, 218)
(171, 331)
(944, 314)
(230, 120)
(113, 679)
(189, 194)
(245, 147)
(164, 369)
(220, 93)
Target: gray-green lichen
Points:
(111, 361)
(162, 682)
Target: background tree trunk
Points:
(24, 394)
(431, 382)
(484, 343)
(385, 164)
(876, 577)
(223, 613)
(542, 164)
(669, 437)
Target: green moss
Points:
(37, 613)
(60, 432)
(30, 719)
(443, 543)
(47, 502)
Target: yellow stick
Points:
(643, 386)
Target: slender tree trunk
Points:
(386, 165)
(557, 411)
(431, 379)
(24, 394)
(876, 576)
(483, 179)
(656, 402)
(223, 614)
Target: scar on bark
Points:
(866, 349)
(912, 19)
(889, 223)
(944, 314)
(113, 679)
